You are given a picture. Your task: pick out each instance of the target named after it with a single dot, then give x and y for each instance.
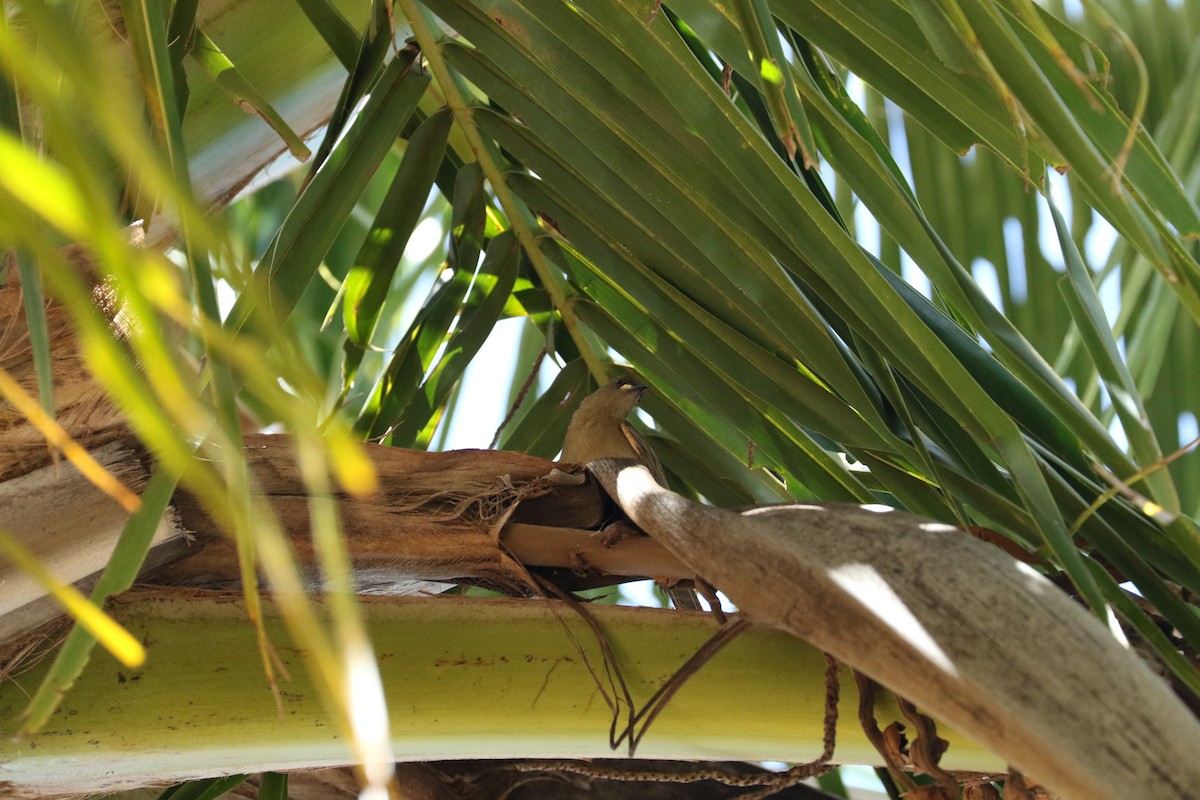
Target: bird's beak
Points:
(640, 389)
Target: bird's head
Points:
(617, 397)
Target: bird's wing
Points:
(644, 453)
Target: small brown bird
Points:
(599, 429)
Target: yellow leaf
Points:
(108, 632)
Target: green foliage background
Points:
(688, 188)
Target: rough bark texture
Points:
(437, 517)
(80, 406)
(475, 516)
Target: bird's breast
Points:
(588, 440)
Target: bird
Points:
(599, 429)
